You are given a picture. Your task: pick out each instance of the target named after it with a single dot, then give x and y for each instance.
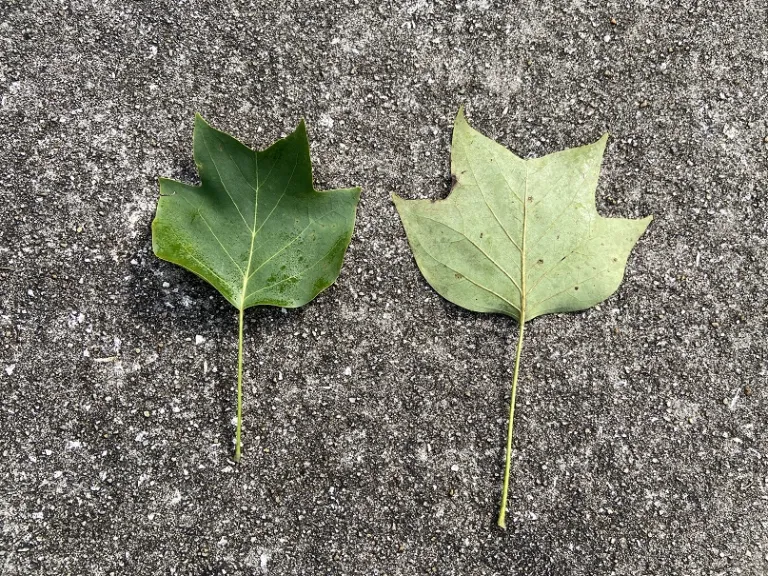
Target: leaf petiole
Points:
(239, 386)
(503, 511)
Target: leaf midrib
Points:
(254, 231)
(522, 248)
(246, 274)
(523, 293)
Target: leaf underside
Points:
(255, 228)
(519, 237)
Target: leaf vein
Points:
(208, 268)
(509, 237)
(470, 280)
(202, 217)
(285, 191)
(482, 193)
(509, 187)
(540, 302)
(564, 210)
(540, 278)
(283, 249)
(501, 269)
(223, 185)
(300, 274)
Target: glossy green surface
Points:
(255, 228)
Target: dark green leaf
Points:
(255, 228)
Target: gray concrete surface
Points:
(375, 416)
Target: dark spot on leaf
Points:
(320, 284)
(540, 261)
(454, 181)
(458, 276)
(530, 198)
(481, 234)
(615, 259)
(575, 287)
(564, 257)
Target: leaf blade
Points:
(517, 215)
(451, 276)
(254, 220)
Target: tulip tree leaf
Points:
(519, 237)
(255, 228)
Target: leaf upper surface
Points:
(519, 236)
(255, 228)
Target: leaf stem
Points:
(523, 294)
(505, 490)
(239, 386)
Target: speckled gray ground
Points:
(375, 416)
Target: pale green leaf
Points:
(519, 237)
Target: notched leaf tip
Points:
(454, 182)
(165, 181)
